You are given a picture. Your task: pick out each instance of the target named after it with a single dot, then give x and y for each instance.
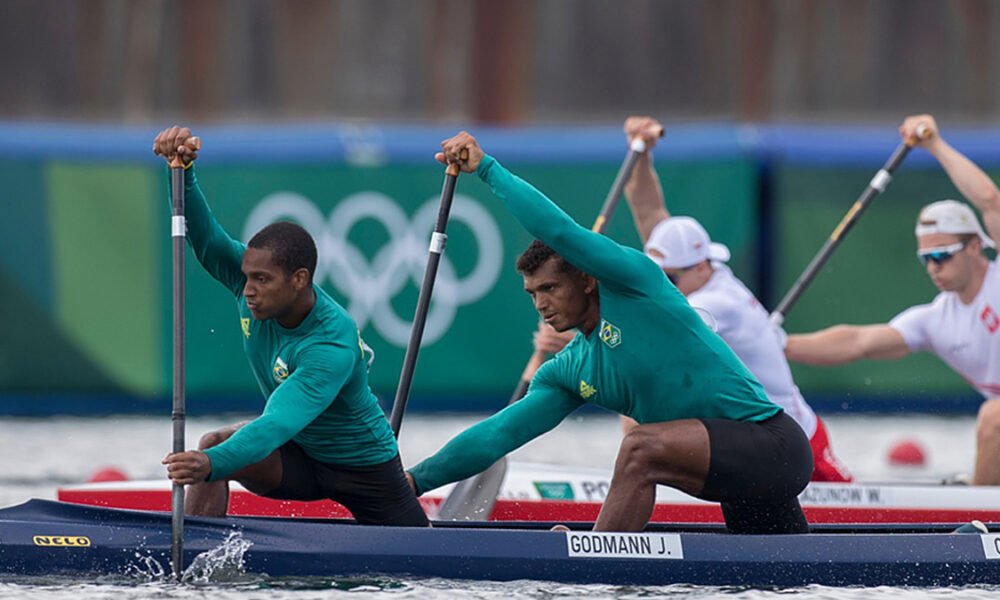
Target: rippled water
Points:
(40, 454)
(447, 590)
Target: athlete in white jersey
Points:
(682, 248)
(962, 324)
(963, 335)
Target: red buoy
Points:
(908, 453)
(107, 474)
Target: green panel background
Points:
(24, 255)
(873, 275)
(484, 351)
(36, 356)
(107, 291)
(89, 267)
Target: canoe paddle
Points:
(178, 233)
(875, 187)
(438, 240)
(473, 498)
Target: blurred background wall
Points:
(511, 62)
(778, 113)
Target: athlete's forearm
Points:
(467, 454)
(970, 180)
(590, 252)
(973, 183)
(832, 346)
(218, 253)
(257, 439)
(476, 448)
(315, 383)
(249, 445)
(644, 195)
(533, 209)
(846, 343)
(203, 231)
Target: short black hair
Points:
(291, 246)
(537, 254)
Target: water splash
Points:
(145, 568)
(222, 563)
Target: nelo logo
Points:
(61, 541)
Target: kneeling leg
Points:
(675, 453)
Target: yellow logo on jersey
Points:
(586, 390)
(245, 324)
(280, 370)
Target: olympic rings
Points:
(369, 286)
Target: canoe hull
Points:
(127, 543)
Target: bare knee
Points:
(988, 422)
(639, 450)
(214, 438)
(675, 453)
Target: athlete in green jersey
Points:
(706, 425)
(322, 433)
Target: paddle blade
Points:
(473, 498)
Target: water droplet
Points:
(224, 562)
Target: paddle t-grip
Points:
(453, 169)
(175, 161)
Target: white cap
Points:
(950, 216)
(683, 242)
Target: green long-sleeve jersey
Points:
(314, 376)
(651, 358)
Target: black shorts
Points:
(375, 495)
(757, 471)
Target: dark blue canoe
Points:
(43, 537)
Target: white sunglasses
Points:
(940, 254)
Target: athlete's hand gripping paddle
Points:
(178, 232)
(875, 187)
(438, 240)
(474, 497)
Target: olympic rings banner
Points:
(85, 265)
(366, 286)
(88, 259)
(372, 226)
